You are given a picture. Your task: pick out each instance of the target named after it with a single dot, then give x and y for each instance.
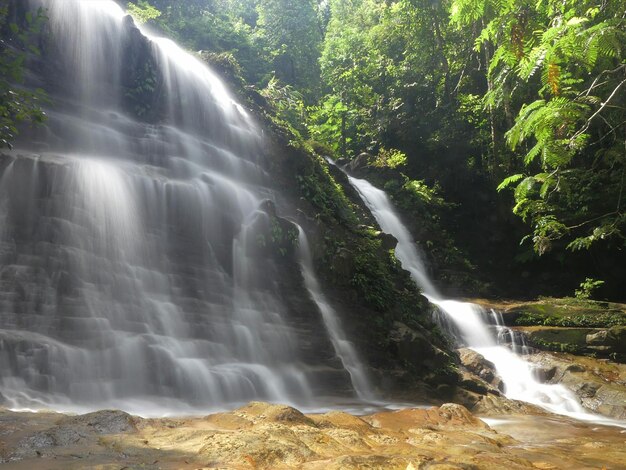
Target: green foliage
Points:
(371, 276)
(290, 35)
(141, 95)
(571, 312)
(556, 346)
(581, 320)
(563, 62)
(587, 288)
(282, 237)
(325, 122)
(385, 71)
(287, 104)
(18, 105)
(142, 12)
(421, 193)
(389, 158)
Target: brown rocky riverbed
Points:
(261, 435)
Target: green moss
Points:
(319, 188)
(570, 312)
(372, 277)
(557, 347)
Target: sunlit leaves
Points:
(569, 55)
(142, 11)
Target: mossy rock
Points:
(609, 343)
(571, 340)
(566, 312)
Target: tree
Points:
(290, 31)
(17, 105)
(562, 64)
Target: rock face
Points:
(413, 345)
(267, 436)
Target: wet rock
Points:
(485, 370)
(343, 263)
(491, 404)
(74, 430)
(269, 436)
(103, 422)
(267, 412)
(360, 162)
(40, 443)
(600, 385)
(476, 384)
(388, 242)
(610, 342)
(414, 347)
(445, 416)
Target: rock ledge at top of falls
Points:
(581, 327)
(271, 436)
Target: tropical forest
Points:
(312, 234)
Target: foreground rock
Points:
(261, 435)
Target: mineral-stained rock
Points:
(270, 436)
(74, 430)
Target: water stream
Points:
(343, 347)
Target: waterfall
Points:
(470, 320)
(343, 347)
(131, 276)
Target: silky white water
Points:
(343, 347)
(470, 320)
(131, 276)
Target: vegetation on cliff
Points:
(478, 96)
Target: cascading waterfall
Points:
(343, 347)
(130, 276)
(469, 320)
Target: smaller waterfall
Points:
(381, 208)
(519, 381)
(469, 320)
(343, 348)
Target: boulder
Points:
(360, 162)
(611, 341)
(477, 365)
